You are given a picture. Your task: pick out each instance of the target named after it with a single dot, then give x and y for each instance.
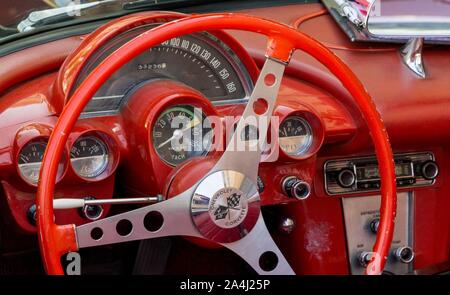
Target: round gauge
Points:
(89, 156)
(180, 133)
(295, 136)
(30, 161)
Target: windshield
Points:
(18, 16)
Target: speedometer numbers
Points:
(180, 133)
(89, 157)
(295, 136)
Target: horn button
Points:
(225, 206)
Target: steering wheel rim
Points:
(55, 240)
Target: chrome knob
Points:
(286, 225)
(364, 258)
(374, 224)
(296, 188)
(404, 254)
(430, 170)
(346, 178)
(91, 212)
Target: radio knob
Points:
(430, 170)
(404, 254)
(346, 178)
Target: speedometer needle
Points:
(177, 134)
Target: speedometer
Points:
(200, 61)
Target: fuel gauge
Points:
(295, 136)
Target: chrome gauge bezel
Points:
(306, 145)
(105, 157)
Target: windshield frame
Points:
(391, 29)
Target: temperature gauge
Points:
(89, 156)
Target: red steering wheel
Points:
(235, 173)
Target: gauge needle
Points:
(179, 133)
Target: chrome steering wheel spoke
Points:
(260, 251)
(167, 218)
(243, 152)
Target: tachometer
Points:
(89, 156)
(295, 136)
(180, 133)
(30, 161)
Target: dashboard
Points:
(325, 178)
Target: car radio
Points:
(362, 174)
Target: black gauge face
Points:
(89, 156)
(199, 61)
(295, 136)
(30, 161)
(180, 133)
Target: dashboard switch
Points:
(294, 187)
(364, 258)
(31, 214)
(404, 254)
(373, 225)
(91, 212)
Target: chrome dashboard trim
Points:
(371, 158)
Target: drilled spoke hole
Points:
(268, 261)
(153, 221)
(96, 233)
(124, 227)
(270, 79)
(260, 106)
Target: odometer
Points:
(180, 133)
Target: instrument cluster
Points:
(181, 132)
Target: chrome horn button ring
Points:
(225, 206)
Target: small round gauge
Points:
(30, 161)
(180, 133)
(295, 136)
(89, 156)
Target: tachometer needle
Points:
(177, 134)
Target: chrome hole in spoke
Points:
(153, 221)
(96, 233)
(268, 261)
(124, 227)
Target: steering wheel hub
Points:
(225, 206)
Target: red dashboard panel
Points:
(414, 111)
